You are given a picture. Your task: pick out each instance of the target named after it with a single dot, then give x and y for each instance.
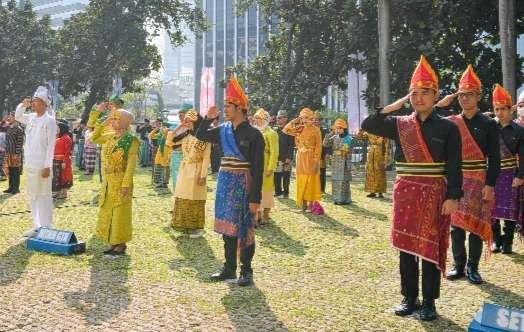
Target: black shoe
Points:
(428, 311)
(473, 275)
(495, 248)
(245, 279)
(278, 195)
(407, 306)
(372, 195)
(14, 192)
(455, 273)
(507, 248)
(8, 191)
(223, 275)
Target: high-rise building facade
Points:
(231, 40)
(58, 10)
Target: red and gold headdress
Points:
(235, 94)
(424, 77)
(501, 96)
(469, 81)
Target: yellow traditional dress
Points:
(308, 142)
(190, 197)
(377, 157)
(270, 163)
(115, 214)
(162, 157)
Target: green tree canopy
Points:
(319, 41)
(113, 38)
(27, 53)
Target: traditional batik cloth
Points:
(340, 167)
(79, 156)
(62, 164)
(377, 157)
(89, 153)
(506, 196)
(283, 166)
(162, 157)
(232, 215)
(176, 159)
(190, 196)
(189, 214)
(419, 228)
(119, 159)
(270, 163)
(474, 213)
(144, 153)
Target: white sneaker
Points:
(196, 234)
(30, 233)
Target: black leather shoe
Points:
(245, 279)
(507, 248)
(372, 195)
(8, 191)
(407, 306)
(223, 275)
(455, 273)
(473, 275)
(428, 311)
(495, 248)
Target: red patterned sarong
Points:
(474, 213)
(419, 228)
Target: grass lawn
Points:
(336, 272)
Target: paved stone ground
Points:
(336, 272)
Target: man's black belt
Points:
(234, 163)
(508, 163)
(421, 169)
(474, 165)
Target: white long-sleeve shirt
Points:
(40, 136)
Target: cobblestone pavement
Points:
(336, 272)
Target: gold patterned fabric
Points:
(377, 158)
(188, 214)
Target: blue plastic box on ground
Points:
(496, 318)
(56, 241)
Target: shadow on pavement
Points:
(108, 292)
(13, 263)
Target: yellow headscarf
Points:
(307, 113)
(340, 123)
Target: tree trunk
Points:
(95, 94)
(384, 45)
(508, 45)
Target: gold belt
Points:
(234, 163)
(433, 170)
(508, 163)
(473, 165)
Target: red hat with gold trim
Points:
(235, 94)
(469, 81)
(424, 77)
(501, 96)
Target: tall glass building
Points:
(233, 38)
(58, 10)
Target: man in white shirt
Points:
(40, 135)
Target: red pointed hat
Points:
(501, 96)
(424, 77)
(469, 81)
(235, 94)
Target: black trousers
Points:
(282, 180)
(458, 247)
(323, 179)
(409, 276)
(509, 231)
(230, 253)
(14, 178)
